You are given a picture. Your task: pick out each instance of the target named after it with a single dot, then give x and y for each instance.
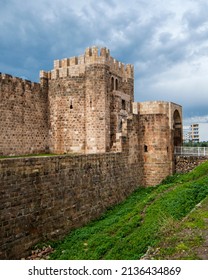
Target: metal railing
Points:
(191, 151)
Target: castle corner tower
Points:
(90, 97)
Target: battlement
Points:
(27, 84)
(75, 66)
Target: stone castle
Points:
(105, 146)
(86, 105)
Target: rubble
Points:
(41, 254)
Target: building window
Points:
(145, 148)
(71, 105)
(112, 84)
(120, 126)
(123, 104)
(116, 84)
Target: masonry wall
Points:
(83, 105)
(85, 101)
(156, 148)
(23, 116)
(185, 164)
(97, 109)
(160, 124)
(55, 194)
(67, 114)
(156, 139)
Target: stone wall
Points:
(158, 129)
(23, 116)
(97, 109)
(83, 105)
(156, 148)
(67, 114)
(45, 197)
(89, 97)
(185, 164)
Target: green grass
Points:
(188, 239)
(30, 155)
(37, 155)
(149, 215)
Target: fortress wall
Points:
(132, 141)
(23, 117)
(97, 109)
(56, 194)
(67, 114)
(161, 126)
(84, 106)
(86, 82)
(153, 107)
(157, 151)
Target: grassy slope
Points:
(144, 220)
(185, 240)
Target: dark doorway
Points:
(177, 129)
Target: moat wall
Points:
(185, 164)
(44, 198)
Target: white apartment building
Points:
(196, 132)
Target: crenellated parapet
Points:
(75, 66)
(25, 84)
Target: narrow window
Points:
(123, 105)
(71, 106)
(90, 102)
(116, 84)
(145, 148)
(120, 126)
(112, 84)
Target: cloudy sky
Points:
(167, 41)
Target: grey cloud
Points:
(28, 33)
(165, 37)
(196, 23)
(34, 33)
(195, 19)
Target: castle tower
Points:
(161, 130)
(97, 101)
(90, 98)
